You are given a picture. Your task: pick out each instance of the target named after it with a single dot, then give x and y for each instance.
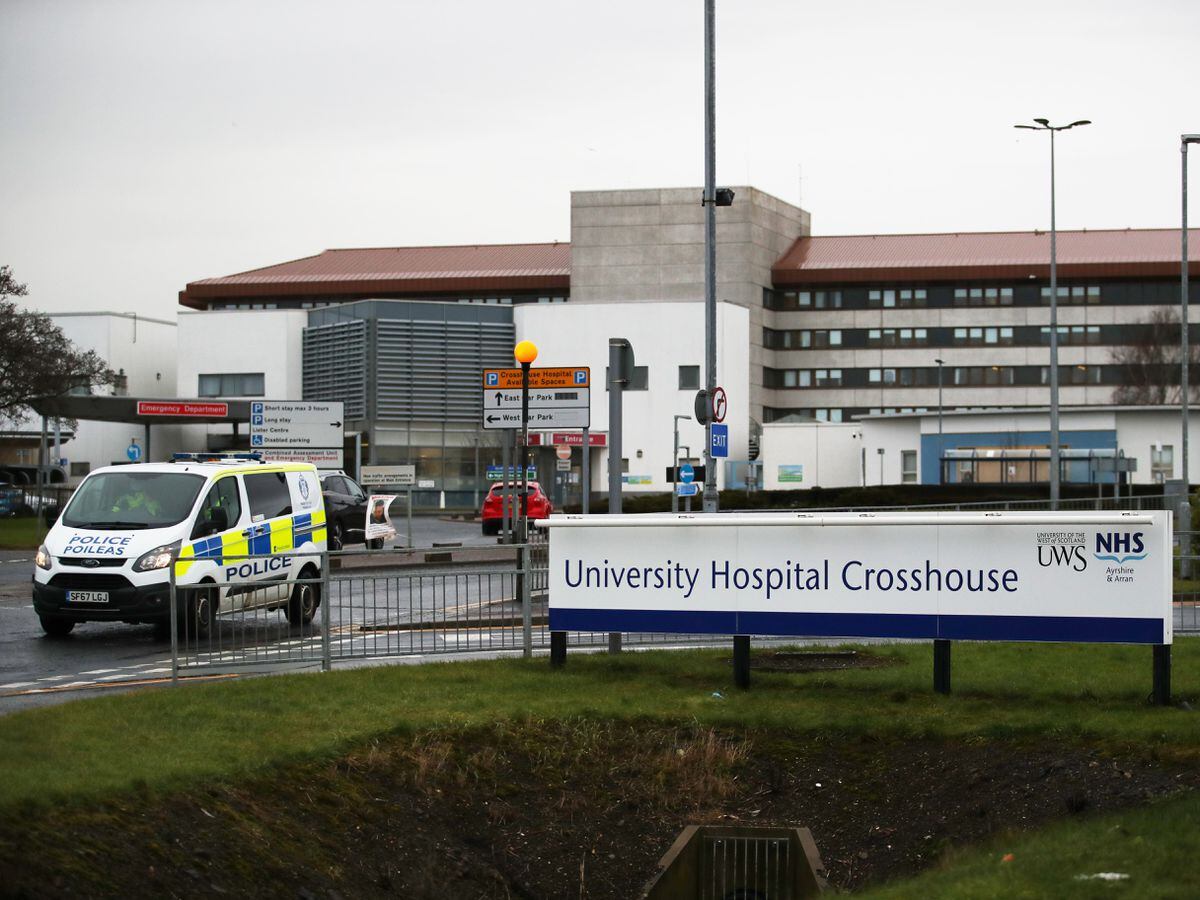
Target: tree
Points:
(37, 362)
(1150, 363)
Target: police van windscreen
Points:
(133, 500)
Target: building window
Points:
(983, 296)
(243, 384)
(1073, 374)
(891, 298)
(1162, 463)
(786, 301)
(1073, 334)
(983, 336)
(689, 378)
(908, 466)
(1074, 295)
(79, 469)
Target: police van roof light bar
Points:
(217, 457)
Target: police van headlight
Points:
(158, 558)
(42, 559)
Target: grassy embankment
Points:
(1096, 695)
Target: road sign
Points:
(558, 398)
(295, 424)
(496, 473)
(562, 465)
(720, 440)
(687, 473)
(673, 475)
(562, 451)
(134, 452)
(562, 377)
(321, 457)
(702, 407)
(719, 404)
(687, 489)
(389, 476)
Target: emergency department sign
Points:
(1102, 578)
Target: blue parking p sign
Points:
(720, 440)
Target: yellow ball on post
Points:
(525, 352)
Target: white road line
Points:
(98, 671)
(157, 671)
(55, 678)
(16, 684)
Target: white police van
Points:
(107, 557)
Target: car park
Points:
(108, 556)
(492, 514)
(346, 511)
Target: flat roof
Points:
(1018, 410)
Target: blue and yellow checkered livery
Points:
(260, 539)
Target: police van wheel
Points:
(304, 600)
(55, 626)
(201, 610)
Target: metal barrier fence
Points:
(375, 604)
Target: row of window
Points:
(966, 336)
(1163, 292)
(952, 376)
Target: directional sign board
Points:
(687, 489)
(558, 398)
(295, 424)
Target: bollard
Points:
(941, 666)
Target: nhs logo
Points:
(1120, 547)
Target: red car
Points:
(492, 512)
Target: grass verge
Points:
(1147, 852)
(21, 533)
(171, 738)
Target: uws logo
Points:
(1062, 549)
(1120, 547)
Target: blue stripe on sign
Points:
(682, 622)
(1090, 630)
(1083, 629)
(897, 625)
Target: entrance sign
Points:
(1090, 578)
(197, 408)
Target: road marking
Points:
(88, 685)
(55, 678)
(98, 671)
(16, 684)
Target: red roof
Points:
(397, 272)
(985, 255)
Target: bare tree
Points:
(1150, 363)
(37, 362)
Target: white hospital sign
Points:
(1092, 578)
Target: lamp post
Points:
(939, 365)
(1185, 506)
(675, 466)
(1044, 125)
(525, 353)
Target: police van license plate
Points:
(87, 596)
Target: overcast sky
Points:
(148, 143)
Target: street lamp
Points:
(675, 465)
(939, 362)
(1044, 125)
(1185, 508)
(525, 353)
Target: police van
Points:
(108, 556)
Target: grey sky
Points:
(147, 143)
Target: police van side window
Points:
(222, 495)
(268, 495)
